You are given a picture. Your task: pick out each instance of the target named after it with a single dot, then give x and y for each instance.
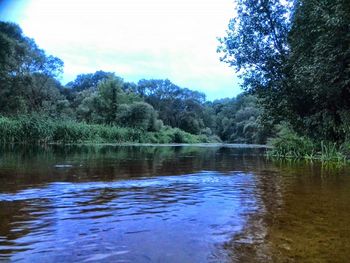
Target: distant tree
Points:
(190, 123)
(177, 107)
(123, 115)
(239, 120)
(89, 80)
(101, 105)
(74, 90)
(108, 103)
(142, 116)
(88, 107)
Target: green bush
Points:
(288, 144)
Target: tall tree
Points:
(21, 64)
(177, 107)
(256, 45)
(295, 55)
(320, 67)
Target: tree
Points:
(238, 120)
(190, 122)
(177, 107)
(24, 68)
(142, 116)
(43, 95)
(74, 90)
(256, 45)
(295, 56)
(88, 107)
(320, 68)
(89, 80)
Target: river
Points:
(202, 203)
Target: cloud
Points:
(173, 39)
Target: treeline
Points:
(294, 55)
(101, 107)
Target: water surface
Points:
(169, 204)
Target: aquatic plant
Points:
(290, 145)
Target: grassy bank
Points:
(290, 145)
(36, 129)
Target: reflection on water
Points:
(169, 204)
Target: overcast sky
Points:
(174, 39)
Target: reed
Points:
(289, 145)
(41, 130)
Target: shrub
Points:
(288, 144)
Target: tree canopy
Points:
(294, 55)
(26, 72)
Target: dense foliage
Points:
(26, 73)
(319, 66)
(239, 120)
(256, 45)
(295, 56)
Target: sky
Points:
(136, 39)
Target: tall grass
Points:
(38, 129)
(289, 145)
(331, 152)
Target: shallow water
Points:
(169, 204)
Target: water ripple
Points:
(190, 211)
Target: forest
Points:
(293, 58)
(100, 107)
